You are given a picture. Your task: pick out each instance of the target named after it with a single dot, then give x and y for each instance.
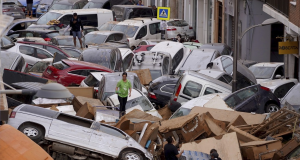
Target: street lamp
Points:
(264, 23)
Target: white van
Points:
(193, 84)
(139, 29)
(89, 17)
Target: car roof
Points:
(25, 20)
(131, 6)
(82, 11)
(38, 30)
(272, 84)
(202, 100)
(84, 64)
(214, 73)
(66, 1)
(192, 44)
(209, 79)
(105, 32)
(268, 64)
(168, 46)
(138, 21)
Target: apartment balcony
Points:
(281, 6)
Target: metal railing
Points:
(281, 6)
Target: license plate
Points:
(49, 71)
(16, 14)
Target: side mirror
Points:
(277, 76)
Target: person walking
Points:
(75, 24)
(171, 152)
(29, 7)
(123, 86)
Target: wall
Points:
(256, 43)
(294, 14)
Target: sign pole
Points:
(236, 39)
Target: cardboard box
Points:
(252, 150)
(144, 76)
(165, 112)
(82, 91)
(86, 111)
(79, 101)
(51, 105)
(227, 146)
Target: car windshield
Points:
(262, 72)
(46, 1)
(181, 112)
(106, 27)
(47, 17)
(196, 61)
(178, 23)
(52, 34)
(93, 5)
(141, 101)
(155, 73)
(40, 66)
(126, 29)
(67, 42)
(58, 6)
(91, 39)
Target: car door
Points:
(71, 129)
(108, 140)
(247, 100)
(141, 35)
(28, 53)
(154, 31)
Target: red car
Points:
(71, 73)
(48, 47)
(143, 48)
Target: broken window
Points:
(75, 120)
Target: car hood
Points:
(261, 80)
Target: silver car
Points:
(74, 136)
(11, 8)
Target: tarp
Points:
(227, 146)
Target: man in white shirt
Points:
(163, 28)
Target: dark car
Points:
(68, 4)
(123, 12)
(143, 48)
(51, 48)
(47, 35)
(71, 73)
(43, 7)
(10, 8)
(255, 98)
(46, 27)
(109, 57)
(221, 47)
(97, 4)
(161, 89)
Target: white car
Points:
(137, 100)
(186, 107)
(179, 26)
(12, 61)
(267, 71)
(178, 53)
(30, 53)
(92, 139)
(139, 29)
(280, 86)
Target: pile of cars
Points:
(126, 38)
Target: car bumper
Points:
(14, 122)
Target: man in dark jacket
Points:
(171, 152)
(29, 7)
(75, 24)
(214, 155)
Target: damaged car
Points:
(75, 137)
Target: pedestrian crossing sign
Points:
(163, 13)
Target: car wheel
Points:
(130, 155)
(272, 108)
(32, 131)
